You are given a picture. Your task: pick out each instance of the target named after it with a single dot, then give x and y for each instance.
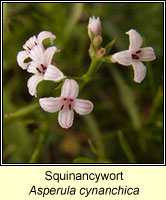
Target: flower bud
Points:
(94, 26)
(101, 53)
(97, 41)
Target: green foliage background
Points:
(126, 125)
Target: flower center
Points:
(42, 69)
(135, 55)
(67, 103)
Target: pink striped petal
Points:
(36, 54)
(44, 35)
(48, 55)
(32, 68)
(139, 71)
(135, 40)
(51, 104)
(21, 56)
(82, 107)
(122, 57)
(53, 73)
(65, 118)
(147, 54)
(69, 89)
(30, 43)
(32, 84)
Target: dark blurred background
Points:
(126, 125)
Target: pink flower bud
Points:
(101, 53)
(94, 26)
(97, 41)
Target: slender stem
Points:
(126, 147)
(24, 111)
(92, 69)
(72, 21)
(96, 134)
(94, 65)
(42, 140)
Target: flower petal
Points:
(36, 54)
(32, 68)
(82, 107)
(139, 71)
(48, 55)
(21, 56)
(53, 73)
(51, 104)
(65, 118)
(147, 54)
(44, 35)
(32, 84)
(69, 89)
(122, 57)
(135, 40)
(30, 43)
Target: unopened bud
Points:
(101, 53)
(94, 26)
(97, 41)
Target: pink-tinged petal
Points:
(32, 84)
(82, 107)
(44, 35)
(139, 71)
(65, 118)
(122, 57)
(36, 54)
(69, 89)
(147, 54)
(48, 55)
(21, 56)
(51, 104)
(32, 68)
(94, 25)
(135, 40)
(30, 43)
(53, 73)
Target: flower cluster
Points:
(43, 68)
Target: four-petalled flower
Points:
(66, 103)
(135, 55)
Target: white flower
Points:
(94, 26)
(42, 68)
(135, 55)
(30, 44)
(66, 103)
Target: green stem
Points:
(96, 135)
(42, 140)
(126, 148)
(95, 64)
(92, 69)
(72, 21)
(24, 111)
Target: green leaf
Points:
(109, 46)
(127, 97)
(126, 147)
